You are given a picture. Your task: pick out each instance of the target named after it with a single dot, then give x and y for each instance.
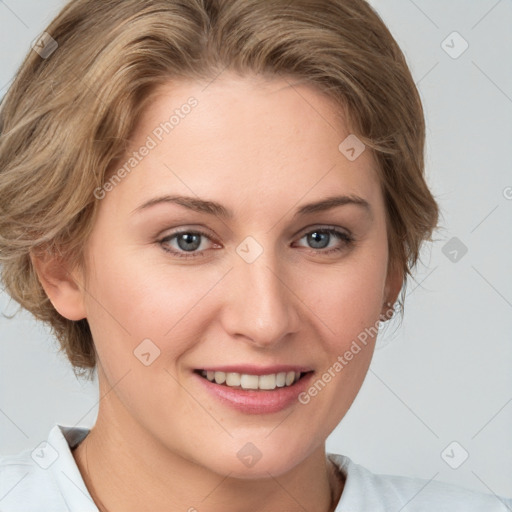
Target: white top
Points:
(48, 479)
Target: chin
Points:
(251, 463)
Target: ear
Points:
(394, 283)
(64, 289)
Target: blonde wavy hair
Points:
(66, 119)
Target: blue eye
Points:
(320, 238)
(187, 243)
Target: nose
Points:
(260, 305)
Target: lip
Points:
(255, 401)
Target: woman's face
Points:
(254, 285)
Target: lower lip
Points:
(256, 401)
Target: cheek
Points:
(131, 300)
(348, 303)
(347, 297)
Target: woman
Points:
(214, 203)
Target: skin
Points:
(262, 149)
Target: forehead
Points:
(260, 138)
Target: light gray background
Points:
(446, 374)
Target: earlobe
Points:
(63, 288)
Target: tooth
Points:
(220, 377)
(233, 379)
(290, 377)
(249, 381)
(281, 379)
(267, 381)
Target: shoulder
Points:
(46, 477)
(21, 480)
(365, 490)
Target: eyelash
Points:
(347, 239)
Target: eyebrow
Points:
(217, 209)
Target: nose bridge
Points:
(261, 308)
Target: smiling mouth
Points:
(253, 382)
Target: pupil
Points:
(189, 238)
(314, 239)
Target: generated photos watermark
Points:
(157, 135)
(341, 361)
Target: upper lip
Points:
(257, 370)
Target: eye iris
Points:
(313, 238)
(189, 238)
